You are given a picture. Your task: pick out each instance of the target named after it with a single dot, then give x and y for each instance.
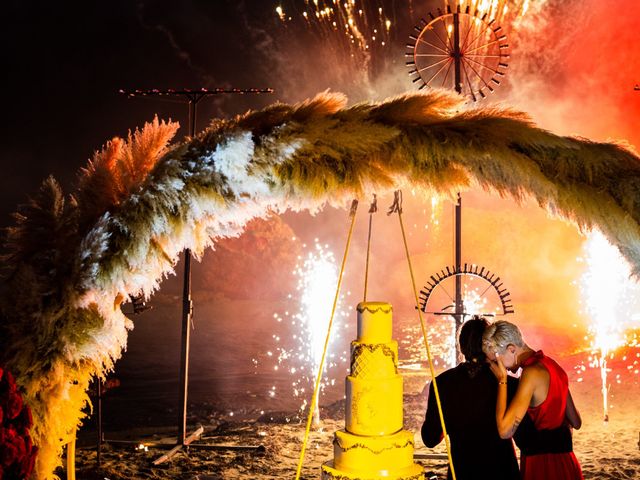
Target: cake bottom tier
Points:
(373, 456)
(414, 472)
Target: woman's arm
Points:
(508, 418)
(571, 413)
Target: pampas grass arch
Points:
(73, 259)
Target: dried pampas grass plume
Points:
(121, 166)
(140, 203)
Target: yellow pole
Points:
(314, 397)
(71, 459)
(372, 209)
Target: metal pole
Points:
(193, 105)
(459, 307)
(457, 55)
(459, 312)
(187, 310)
(99, 399)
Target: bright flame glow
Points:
(436, 212)
(318, 279)
(500, 9)
(607, 292)
(474, 303)
(317, 274)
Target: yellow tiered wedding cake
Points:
(373, 445)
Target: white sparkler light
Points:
(318, 280)
(608, 296)
(474, 303)
(500, 9)
(317, 274)
(605, 286)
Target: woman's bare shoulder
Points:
(534, 373)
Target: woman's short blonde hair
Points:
(499, 335)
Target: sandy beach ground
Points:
(606, 450)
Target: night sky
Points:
(64, 63)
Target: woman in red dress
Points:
(543, 394)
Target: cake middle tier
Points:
(377, 360)
(373, 407)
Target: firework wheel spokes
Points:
(468, 35)
(478, 284)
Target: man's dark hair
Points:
(470, 339)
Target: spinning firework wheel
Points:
(463, 50)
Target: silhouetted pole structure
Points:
(459, 304)
(459, 307)
(100, 436)
(193, 97)
(466, 31)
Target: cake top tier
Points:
(374, 322)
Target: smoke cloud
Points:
(574, 71)
(570, 69)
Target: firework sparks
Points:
(436, 212)
(442, 326)
(348, 25)
(413, 355)
(464, 46)
(317, 275)
(608, 296)
(500, 10)
(473, 301)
